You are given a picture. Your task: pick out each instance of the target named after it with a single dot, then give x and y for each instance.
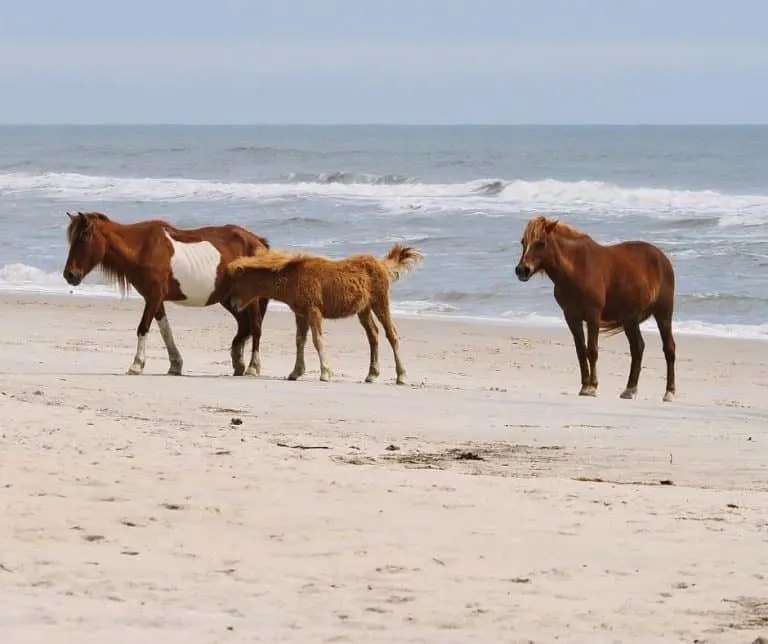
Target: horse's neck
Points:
(567, 251)
(274, 284)
(122, 254)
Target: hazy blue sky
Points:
(394, 61)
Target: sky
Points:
(384, 61)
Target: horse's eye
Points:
(522, 243)
(538, 244)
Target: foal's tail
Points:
(400, 259)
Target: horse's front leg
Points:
(151, 307)
(257, 312)
(576, 326)
(593, 330)
(174, 355)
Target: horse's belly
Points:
(194, 267)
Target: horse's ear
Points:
(71, 216)
(550, 225)
(86, 222)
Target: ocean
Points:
(461, 194)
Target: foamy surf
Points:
(30, 280)
(481, 196)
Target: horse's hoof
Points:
(253, 371)
(588, 391)
(628, 394)
(293, 376)
(239, 371)
(668, 397)
(135, 370)
(325, 377)
(174, 372)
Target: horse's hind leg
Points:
(372, 333)
(593, 332)
(238, 342)
(664, 322)
(636, 348)
(174, 355)
(257, 311)
(151, 307)
(316, 324)
(381, 309)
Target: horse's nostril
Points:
(72, 278)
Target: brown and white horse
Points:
(168, 264)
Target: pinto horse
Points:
(610, 287)
(167, 264)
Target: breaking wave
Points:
(397, 193)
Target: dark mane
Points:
(79, 224)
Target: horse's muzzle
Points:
(73, 277)
(523, 272)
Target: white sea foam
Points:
(482, 196)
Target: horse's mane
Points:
(79, 224)
(539, 226)
(269, 260)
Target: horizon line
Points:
(379, 124)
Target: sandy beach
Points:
(483, 502)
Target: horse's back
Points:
(641, 254)
(230, 239)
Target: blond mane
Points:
(540, 226)
(269, 260)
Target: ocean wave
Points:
(350, 178)
(466, 296)
(729, 300)
(21, 278)
(403, 194)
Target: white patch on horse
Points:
(194, 267)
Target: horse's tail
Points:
(400, 259)
(257, 243)
(609, 329)
(253, 243)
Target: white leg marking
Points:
(140, 358)
(174, 355)
(254, 369)
(194, 267)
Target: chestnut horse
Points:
(317, 287)
(610, 287)
(167, 264)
